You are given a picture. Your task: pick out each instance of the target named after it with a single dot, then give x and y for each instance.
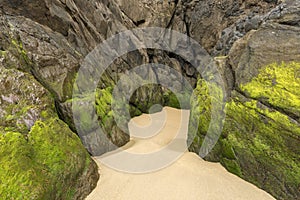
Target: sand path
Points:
(186, 178)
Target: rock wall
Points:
(260, 137)
(48, 40)
(36, 146)
(56, 36)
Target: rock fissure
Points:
(292, 116)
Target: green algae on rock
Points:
(207, 102)
(107, 119)
(40, 157)
(277, 85)
(259, 142)
(265, 145)
(45, 164)
(22, 100)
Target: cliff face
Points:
(57, 35)
(260, 136)
(41, 158)
(43, 43)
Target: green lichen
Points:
(103, 101)
(232, 166)
(22, 52)
(45, 164)
(227, 150)
(3, 53)
(267, 138)
(19, 92)
(134, 111)
(204, 96)
(278, 85)
(41, 161)
(171, 100)
(180, 100)
(260, 137)
(201, 107)
(105, 107)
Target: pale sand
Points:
(188, 177)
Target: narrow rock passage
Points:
(183, 176)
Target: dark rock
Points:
(208, 19)
(271, 1)
(272, 43)
(252, 24)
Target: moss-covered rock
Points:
(40, 157)
(48, 163)
(23, 101)
(277, 86)
(115, 126)
(103, 124)
(181, 100)
(207, 102)
(259, 141)
(94, 120)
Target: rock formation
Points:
(42, 46)
(260, 137)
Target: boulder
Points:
(36, 146)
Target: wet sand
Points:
(184, 176)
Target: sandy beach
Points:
(172, 172)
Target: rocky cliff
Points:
(260, 136)
(43, 44)
(41, 158)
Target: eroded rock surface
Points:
(49, 39)
(260, 137)
(37, 147)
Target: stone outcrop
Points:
(36, 146)
(56, 35)
(260, 136)
(43, 43)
